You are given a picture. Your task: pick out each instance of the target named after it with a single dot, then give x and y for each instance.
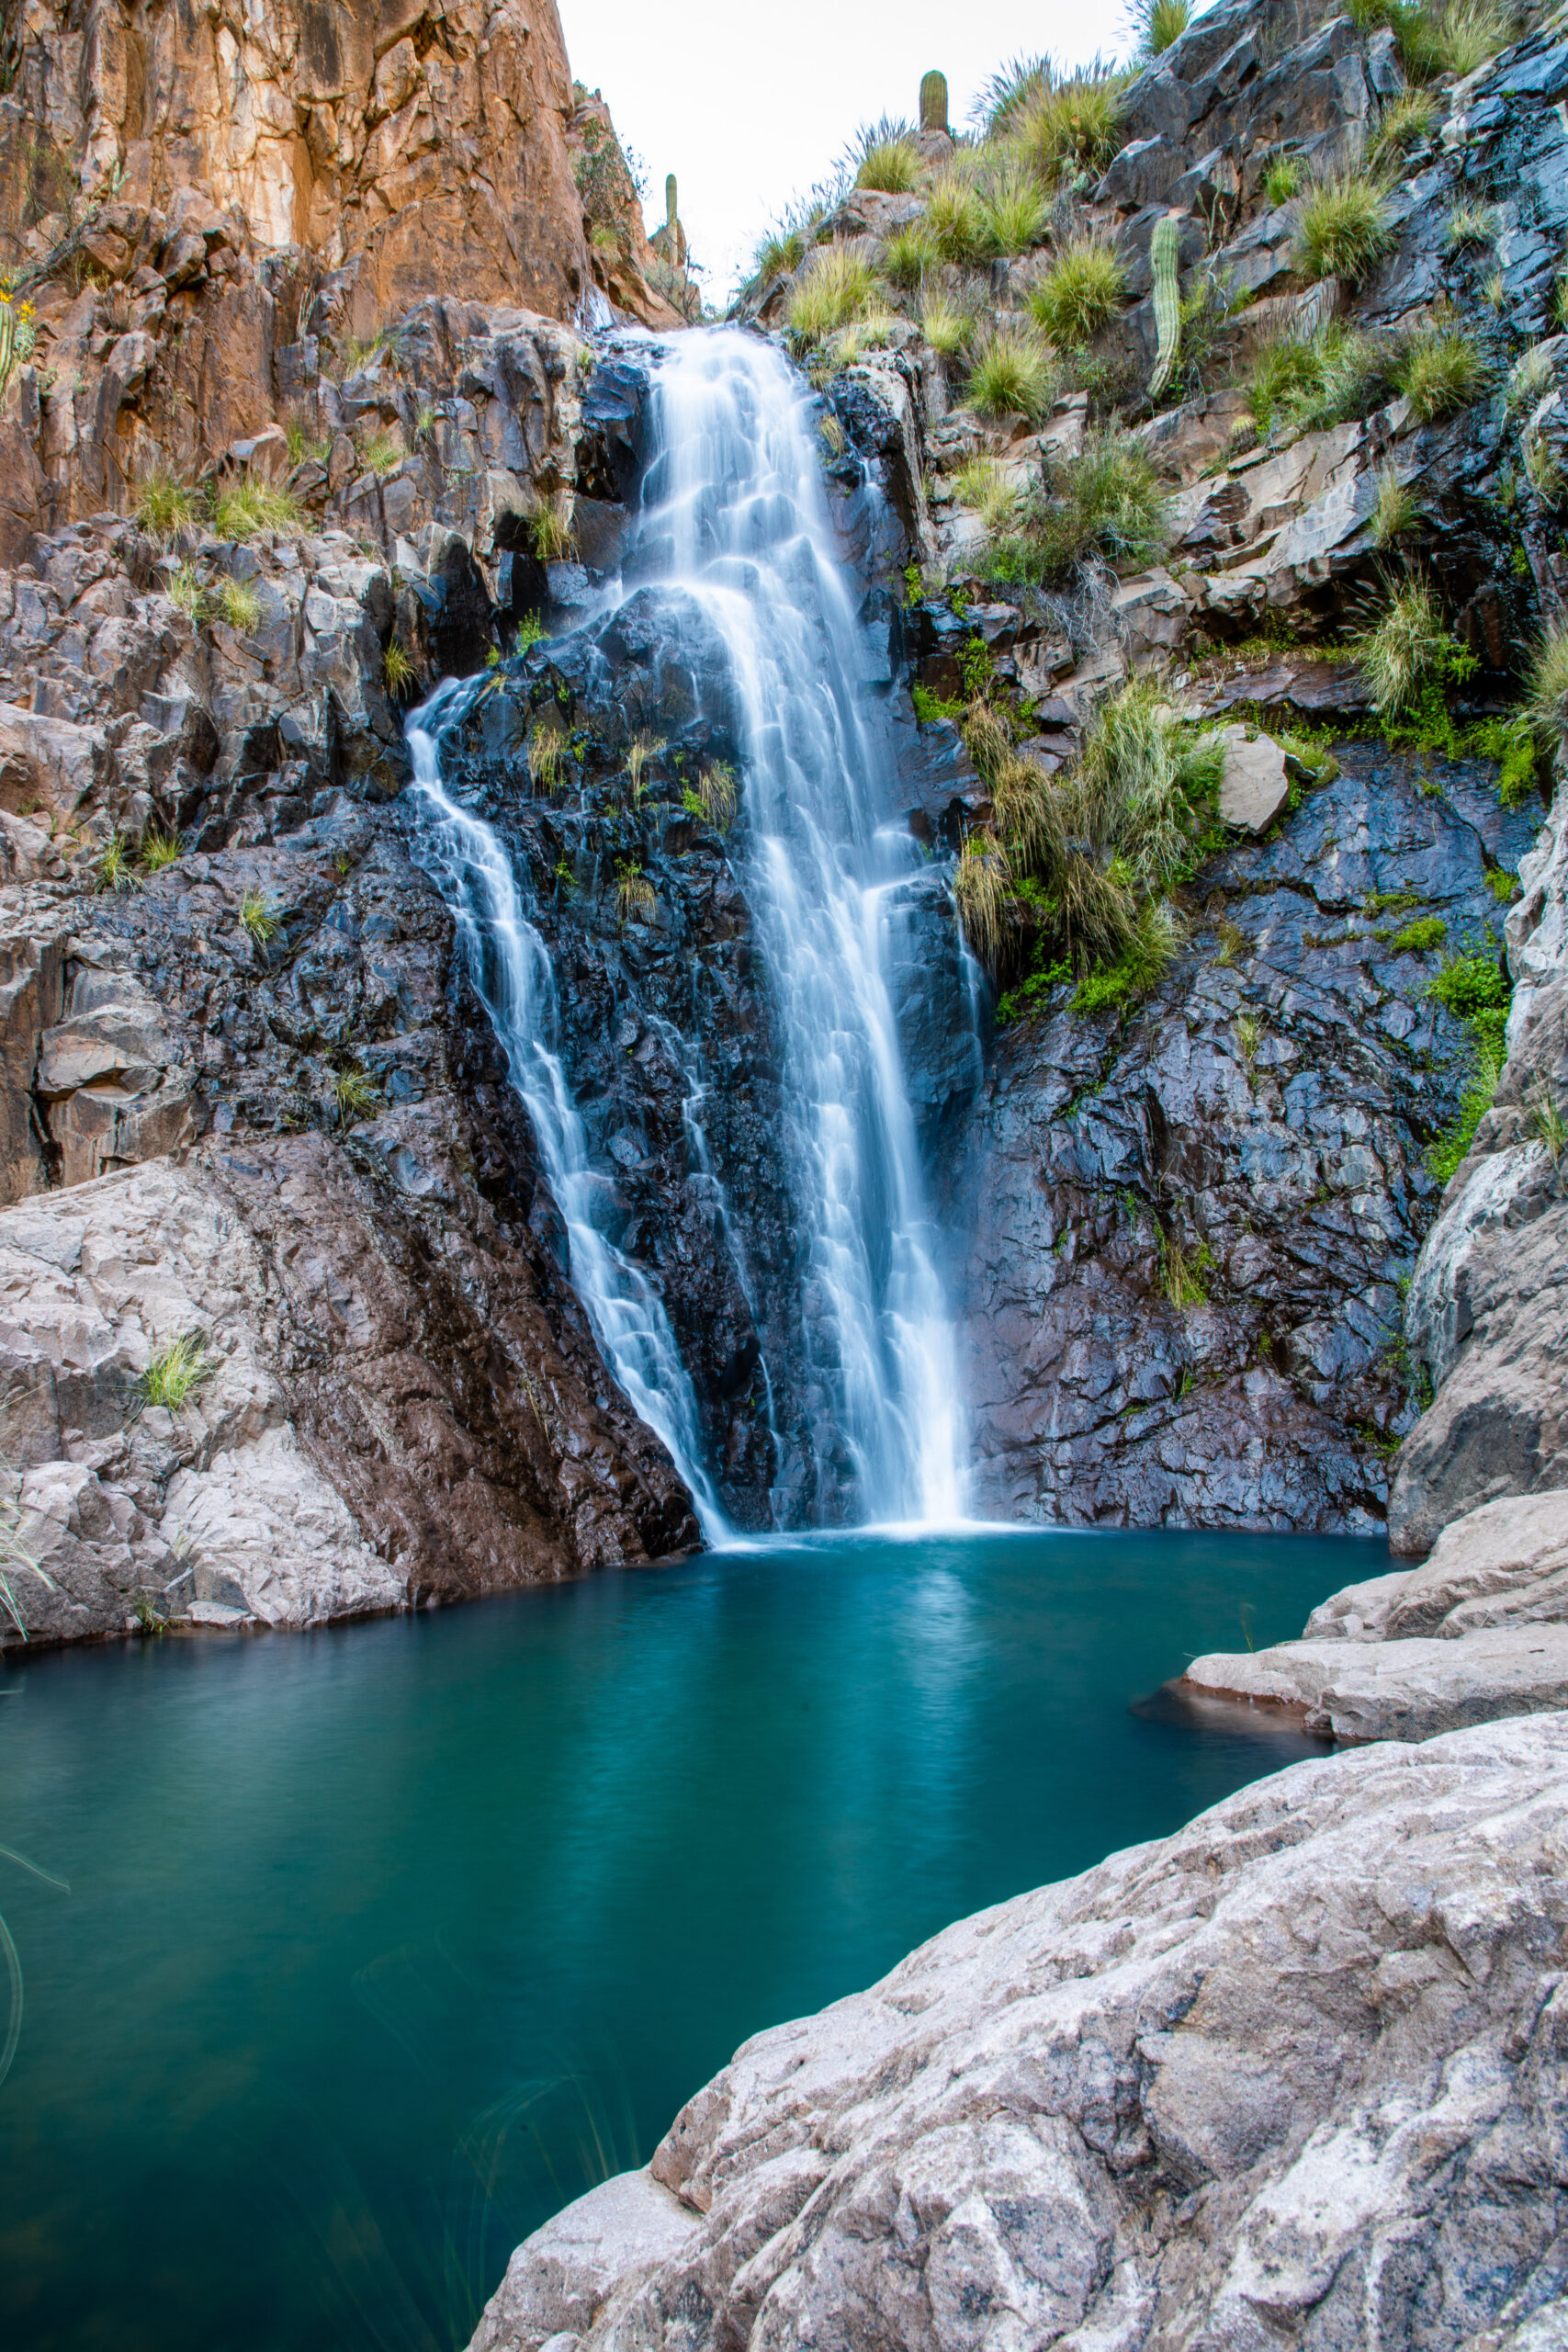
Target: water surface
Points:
(383, 1942)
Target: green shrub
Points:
(1142, 773)
(1082, 291)
(1409, 645)
(908, 254)
(1511, 742)
(1014, 86)
(1441, 372)
(955, 220)
(1107, 501)
(254, 507)
(1156, 941)
(1445, 1154)
(1470, 985)
(837, 284)
(1011, 374)
(1306, 383)
(165, 504)
(1013, 207)
(1344, 227)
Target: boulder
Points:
(1292, 2075)
(1481, 1631)
(1255, 788)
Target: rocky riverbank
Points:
(1296, 2071)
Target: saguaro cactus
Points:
(934, 101)
(670, 207)
(1164, 256)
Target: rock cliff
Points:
(1292, 2075)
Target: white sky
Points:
(749, 104)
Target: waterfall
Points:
(734, 512)
(513, 976)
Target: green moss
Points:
(1469, 985)
(1418, 938)
(1031, 994)
(1511, 742)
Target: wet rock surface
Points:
(1304, 2058)
(1182, 1302)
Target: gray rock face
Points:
(1294, 2075)
(1189, 1223)
(1481, 1631)
(1487, 1311)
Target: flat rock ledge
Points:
(1479, 1630)
(1295, 2075)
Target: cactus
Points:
(934, 101)
(670, 202)
(7, 342)
(1165, 254)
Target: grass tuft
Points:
(909, 254)
(837, 285)
(954, 219)
(1344, 227)
(254, 507)
(159, 850)
(114, 864)
(982, 887)
(1013, 207)
(1408, 646)
(1107, 503)
(1546, 697)
(1012, 374)
(1073, 128)
(1441, 373)
(165, 504)
(256, 916)
(174, 1373)
(550, 527)
(1395, 510)
(238, 604)
(396, 670)
(1282, 177)
(1082, 291)
(890, 161)
(944, 325)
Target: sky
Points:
(749, 105)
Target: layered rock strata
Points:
(1296, 2072)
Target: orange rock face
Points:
(431, 142)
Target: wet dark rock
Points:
(1251, 1139)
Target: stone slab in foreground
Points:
(1294, 2076)
(1479, 1630)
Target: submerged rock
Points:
(1293, 2074)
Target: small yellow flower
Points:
(27, 309)
(4, 295)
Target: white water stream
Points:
(734, 511)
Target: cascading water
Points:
(734, 514)
(734, 511)
(511, 970)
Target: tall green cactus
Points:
(670, 202)
(7, 342)
(1165, 254)
(934, 101)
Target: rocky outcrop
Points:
(399, 1401)
(1295, 2070)
(1192, 1223)
(1487, 1314)
(428, 145)
(1480, 1630)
